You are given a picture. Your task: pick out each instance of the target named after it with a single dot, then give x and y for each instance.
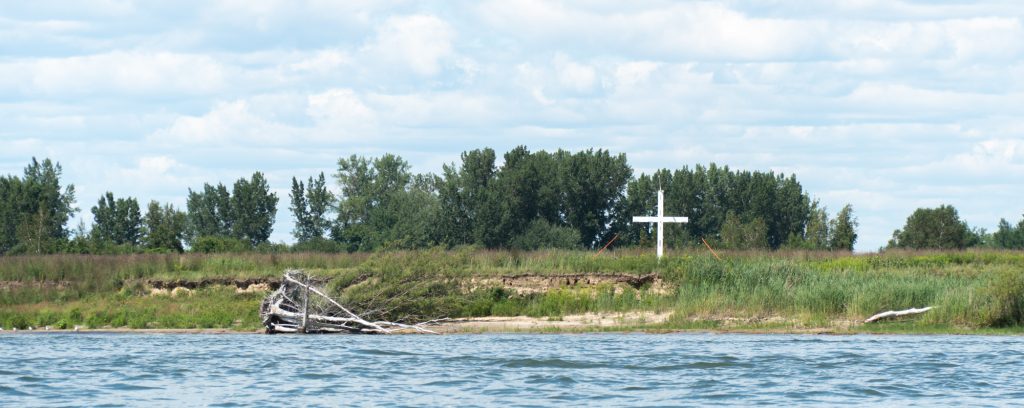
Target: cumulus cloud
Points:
(227, 122)
(419, 42)
(136, 73)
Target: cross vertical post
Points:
(660, 221)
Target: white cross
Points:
(661, 219)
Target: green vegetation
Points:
(977, 291)
(937, 228)
(533, 200)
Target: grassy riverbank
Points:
(800, 291)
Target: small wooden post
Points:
(305, 304)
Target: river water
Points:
(45, 369)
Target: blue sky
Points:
(886, 105)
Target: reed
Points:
(970, 290)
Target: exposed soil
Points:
(533, 283)
(12, 285)
(270, 283)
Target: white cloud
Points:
(420, 42)
(114, 72)
(674, 31)
(630, 74)
(322, 61)
(574, 76)
(340, 106)
(230, 122)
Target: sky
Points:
(886, 105)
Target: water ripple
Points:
(510, 370)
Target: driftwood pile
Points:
(300, 306)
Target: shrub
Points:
(542, 234)
(214, 244)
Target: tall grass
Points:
(970, 289)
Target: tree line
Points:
(530, 200)
(942, 228)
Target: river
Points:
(45, 369)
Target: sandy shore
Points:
(591, 322)
(583, 322)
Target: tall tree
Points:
(383, 205)
(469, 204)
(1008, 236)
(10, 212)
(320, 200)
(35, 209)
(844, 230)
(254, 208)
(933, 228)
(209, 212)
(117, 221)
(310, 204)
(594, 187)
(818, 231)
(303, 231)
(164, 228)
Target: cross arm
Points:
(661, 219)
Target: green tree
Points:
(117, 221)
(310, 203)
(843, 230)
(593, 186)
(818, 231)
(209, 212)
(254, 208)
(165, 228)
(1008, 236)
(541, 234)
(933, 228)
(34, 209)
(470, 208)
(383, 205)
(300, 210)
(320, 201)
(736, 234)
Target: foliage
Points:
(736, 234)
(165, 228)
(485, 205)
(117, 221)
(383, 206)
(34, 209)
(209, 212)
(216, 244)
(935, 228)
(843, 230)
(1009, 236)
(706, 195)
(246, 213)
(318, 245)
(253, 207)
(310, 203)
(541, 234)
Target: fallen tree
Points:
(300, 306)
(896, 313)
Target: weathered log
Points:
(896, 313)
(297, 306)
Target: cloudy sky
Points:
(887, 105)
